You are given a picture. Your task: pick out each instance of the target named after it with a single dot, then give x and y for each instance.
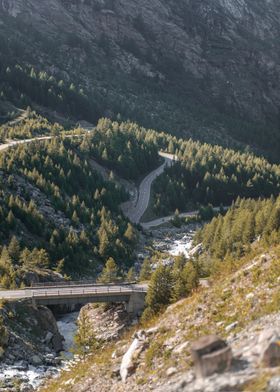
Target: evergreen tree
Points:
(84, 339)
(190, 277)
(131, 275)
(11, 220)
(5, 257)
(110, 272)
(160, 288)
(146, 271)
(130, 234)
(14, 249)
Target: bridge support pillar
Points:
(136, 303)
(33, 302)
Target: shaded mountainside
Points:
(207, 69)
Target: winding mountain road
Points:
(165, 219)
(14, 143)
(161, 221)
(135, 208)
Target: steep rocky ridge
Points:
(206, 68)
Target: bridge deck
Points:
(72, 292)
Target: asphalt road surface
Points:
(136, 211)
(160, 221)
(16, 142)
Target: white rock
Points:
(171, 371)
(180, 348)
(152, 331)
(128, 361)
(230, 327)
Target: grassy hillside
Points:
(240, 300)
(238, 294)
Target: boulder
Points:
(210, 355)
(36, 360)
(48, 337)
(129, 359)
(269, 348)
(171, 371)
(231, 326)
(48, 323)
(30, 278)
(57, 343)
(274, 384)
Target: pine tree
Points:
(131, 275)
(190, 277)
(5, 257)
(43, 259)
(25, 256)
(249, 229)
(176, 221)
(84, 339)
(104, 244)
(160, 288)
(75, 218)
(11, 220)
(273, 221)
(146, 271)
(14, 249)
(130, 234)
(110, 272)
(178, 289)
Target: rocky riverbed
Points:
(173, 240)
(30, 373)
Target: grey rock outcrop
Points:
(269, 344)
(211, 355)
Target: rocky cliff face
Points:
(187, 65)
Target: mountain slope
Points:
(206, 69)
(239, 304)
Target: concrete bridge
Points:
(77, 294)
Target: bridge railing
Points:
(77, 283)
(85, 291)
